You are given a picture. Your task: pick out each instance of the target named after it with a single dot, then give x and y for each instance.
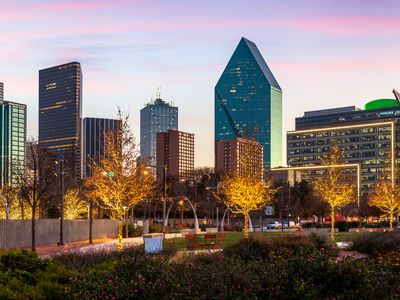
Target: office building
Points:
(1, 91)
(175, 150)
(95, 132)
(248, 102)
(60, 114)
(241, 156)
(369, 138)
(12, 141)
(156, 116)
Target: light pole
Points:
(61, 161)
(126, 221)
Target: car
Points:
(291, 223)
(272, 225)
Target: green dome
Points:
(381, 103)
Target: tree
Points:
(386, 195)
(74, 206)
(118, 180)
(243, 194)
(331, 187)
(37, 181)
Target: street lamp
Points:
(126, 221)
(61, 161)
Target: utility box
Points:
(153, 243)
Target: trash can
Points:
(153, 243)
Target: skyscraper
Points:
(175, 150)
(248, 102)
(60, 113)
(156, 116)
(94, 132)
(12, 140)
(368, 137)
(241, 156)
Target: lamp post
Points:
(126, 221)
(61, 162)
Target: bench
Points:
(195, 241)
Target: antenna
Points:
(158, 93)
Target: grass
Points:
(233, 236)
(230, 238)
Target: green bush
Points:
(218, 276)
(135, 230)
(282, 245)
(249, 249)
(24, 276)
(373, 242)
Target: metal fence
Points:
(17, 233)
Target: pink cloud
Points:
(73, 5)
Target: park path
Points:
(98, 246)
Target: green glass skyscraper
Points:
(12, 141)
(248, 102)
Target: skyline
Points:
(323, 55)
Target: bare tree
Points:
(37, 181)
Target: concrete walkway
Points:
(107, 246)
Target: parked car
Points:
(291, 223)
(272, 225)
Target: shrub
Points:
(21, 260)
(216, 276)
(135, 230)
(24, 276)
(233, 227)
(373, 242)
(249, 249)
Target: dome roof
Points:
(381, 103)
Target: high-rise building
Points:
(95, 131)
(12, 141)
(248, 102)
(156, 116)
(175, 150)
(241, 156)
(369, 137)
(60, 114)
(1, 91)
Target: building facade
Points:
(241, 156)
(60, 114)
(157, 116)
(248, 102)
(95, 131)
(1, 91)
(12, 141)
(369, 138)
(175, 151)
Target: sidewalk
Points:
(101, 245)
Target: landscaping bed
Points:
(269, 267)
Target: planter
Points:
(153, 243)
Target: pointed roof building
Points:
(248, 102)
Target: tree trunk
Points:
(333, 223)
(391, 221)
(246, 225)
(33, 229)
(22, 209)
(120, 234)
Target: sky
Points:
(324, 53)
